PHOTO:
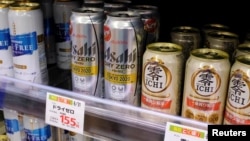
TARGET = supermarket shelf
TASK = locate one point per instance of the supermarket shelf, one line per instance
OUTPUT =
(103, 117)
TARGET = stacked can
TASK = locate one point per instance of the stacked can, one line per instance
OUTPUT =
(151, 20)
(93, 3)
(223, 40)
(211, 28)
(242, 49)
(6, 60)
(112, 7)
(161, 78)
(238, 99)
(87, 50)
(186, 36)
(205, 85)
(28, 47)
(123, 43)
(49, 34)
(62, 12)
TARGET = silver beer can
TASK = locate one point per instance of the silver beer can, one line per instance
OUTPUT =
(223, 40)
(86, 26)
(205, 85)
(113, 7)
(161, 78)
(27, 41)
(61, 13)
(93, 3)
(123, 44)
(151, 20)
(237, 107)
(6, 60)
(188, 37)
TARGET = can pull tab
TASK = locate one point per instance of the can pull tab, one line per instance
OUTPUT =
(211, 54)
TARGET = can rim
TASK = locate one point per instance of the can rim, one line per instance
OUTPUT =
(88, 10)
(24, 6)
(222, 35)
(185, 29)
(209, 53)
(124, 15)
(6, 3)
(215, 25)
(244, 59)
(164, 47)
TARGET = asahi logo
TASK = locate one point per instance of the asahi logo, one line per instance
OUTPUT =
(85, 52)
(156, 76)
(124, 57)
(107, 33)
(206, 81)
(238, 92)
(150, 25)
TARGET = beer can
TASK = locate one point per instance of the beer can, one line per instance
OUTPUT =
(211, 28)
(151, 20)
(14, 125)
(205, 85)
(87, 50)
(223, 40)
(36, 129)
(186, 36)
(126, 2)
(237, 107)
(6, 61)
(27, 41)
(49, 33)
(93, 3)
(123, 44)
(61, 13)
(242, 49)
(112, 7)
(161, 78)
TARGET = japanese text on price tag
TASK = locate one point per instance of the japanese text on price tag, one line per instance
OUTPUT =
(178, 132)
(65, 113)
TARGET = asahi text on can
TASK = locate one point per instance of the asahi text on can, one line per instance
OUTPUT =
(161, 77)
(151, 20)
(237, 109)
(205, 85)
(186, 36)
(123, 42)
(223, 40)
(27, 41)
(6, 61)
(87, 50)
(61, 13)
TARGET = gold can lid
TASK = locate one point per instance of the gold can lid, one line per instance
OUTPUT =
(244, 59)
(244, 47)
(222, 35)
(209, 53)
(26, 6)
(164, 47)
(185, 29)
(6, 3)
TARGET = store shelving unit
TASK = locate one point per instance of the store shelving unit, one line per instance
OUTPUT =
(103, 118)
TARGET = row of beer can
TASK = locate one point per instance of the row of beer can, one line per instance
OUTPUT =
(214, 91)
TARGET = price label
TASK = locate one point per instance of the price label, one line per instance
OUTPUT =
(65, 113)
(178, 132)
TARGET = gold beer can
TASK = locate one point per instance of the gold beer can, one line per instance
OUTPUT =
(237, 109)
(205, 85)
(242, 49)
(161, 77)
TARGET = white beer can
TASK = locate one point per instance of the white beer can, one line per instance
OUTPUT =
(27, 41)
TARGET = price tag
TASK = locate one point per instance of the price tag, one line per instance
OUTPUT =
(178, 132)
(65, 113)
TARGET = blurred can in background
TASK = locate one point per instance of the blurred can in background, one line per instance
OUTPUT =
(242, 49)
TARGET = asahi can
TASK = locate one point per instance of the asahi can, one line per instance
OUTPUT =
(123, 43)
(223, 40)
(242, 49)
(151, 20)
(205, 85)
(49, 32)
(237, 109)
(161, 78)
(87, 50)
(186, 36)
(27, 41)
(6, 61)
(37, 129)
(61, 13)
